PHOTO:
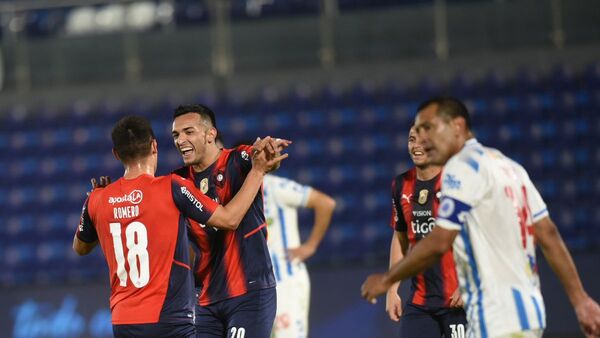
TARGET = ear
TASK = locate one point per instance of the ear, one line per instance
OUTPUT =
(115, 154)
(211, 134)
(154, 147)
(459, 124)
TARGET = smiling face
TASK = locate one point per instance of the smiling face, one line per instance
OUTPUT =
(193, 136)
(415, 149)
(439, 136)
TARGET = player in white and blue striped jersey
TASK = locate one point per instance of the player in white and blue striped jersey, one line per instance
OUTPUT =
(493, 215)
(283, 197)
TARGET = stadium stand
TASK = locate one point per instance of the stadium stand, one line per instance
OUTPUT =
(347, 142)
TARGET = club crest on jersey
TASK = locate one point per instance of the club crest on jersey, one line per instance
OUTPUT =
(204, 185)
(423, 196)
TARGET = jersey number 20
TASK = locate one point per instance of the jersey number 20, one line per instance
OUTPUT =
(136, 252)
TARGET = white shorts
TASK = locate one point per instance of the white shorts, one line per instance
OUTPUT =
(525, 334)
(293, 302)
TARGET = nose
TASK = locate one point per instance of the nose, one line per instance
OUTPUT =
(179, 139)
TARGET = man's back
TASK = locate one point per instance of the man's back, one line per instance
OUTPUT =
(144, 239)
(282, 198)
(495, 253)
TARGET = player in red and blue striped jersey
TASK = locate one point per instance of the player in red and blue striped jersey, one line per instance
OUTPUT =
(140, 221)
(233, 270)
(434, 307)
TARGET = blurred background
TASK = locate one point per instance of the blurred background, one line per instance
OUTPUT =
(342, 78)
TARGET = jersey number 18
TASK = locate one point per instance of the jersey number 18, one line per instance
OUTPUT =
(136, 252)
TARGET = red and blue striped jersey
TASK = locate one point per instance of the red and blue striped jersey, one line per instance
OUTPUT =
(230, 263)
(414, 211)
(141, 226)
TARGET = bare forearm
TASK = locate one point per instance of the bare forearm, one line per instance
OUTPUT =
(235, 210)
(423, 255)
(561, 262)
(323, 213)
(396, 255)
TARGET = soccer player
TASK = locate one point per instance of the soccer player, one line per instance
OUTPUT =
(234, 276)
(493, 215)
(434, 308)
(140, 221)
(283, 197)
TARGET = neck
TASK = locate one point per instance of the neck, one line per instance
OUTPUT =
(462, 141)
(211, 156)
(138, 168)
(425, 173)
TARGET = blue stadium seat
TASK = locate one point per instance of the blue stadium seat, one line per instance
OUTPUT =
(347, 142)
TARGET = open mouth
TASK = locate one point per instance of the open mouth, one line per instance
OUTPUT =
(186, 151)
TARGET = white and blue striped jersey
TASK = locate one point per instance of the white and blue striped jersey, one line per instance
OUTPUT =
(493, 204)
(282, 198)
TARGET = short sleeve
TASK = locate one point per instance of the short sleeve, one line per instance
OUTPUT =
(535, 201)
(397, 221)
(463, 185)
(243, 156)
(190, 201)
(290, 193)
(86, 231)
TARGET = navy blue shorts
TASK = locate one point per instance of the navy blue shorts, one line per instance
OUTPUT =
(246, 316)
(157, 330)
(419, 321)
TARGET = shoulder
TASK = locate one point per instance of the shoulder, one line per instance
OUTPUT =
(243, 151)
(277, 180)
(100, 195)
(174, 178)
(182, 172)
(473, 158)
(283, 184)
(407, 176)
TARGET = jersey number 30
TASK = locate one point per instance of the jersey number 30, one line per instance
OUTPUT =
(136, 252)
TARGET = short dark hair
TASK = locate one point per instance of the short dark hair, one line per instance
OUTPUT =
(449, 108)
(132, 138)
(199, 109)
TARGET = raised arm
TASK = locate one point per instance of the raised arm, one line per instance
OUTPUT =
(422, 256)
(228, 217)
(265, 156)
